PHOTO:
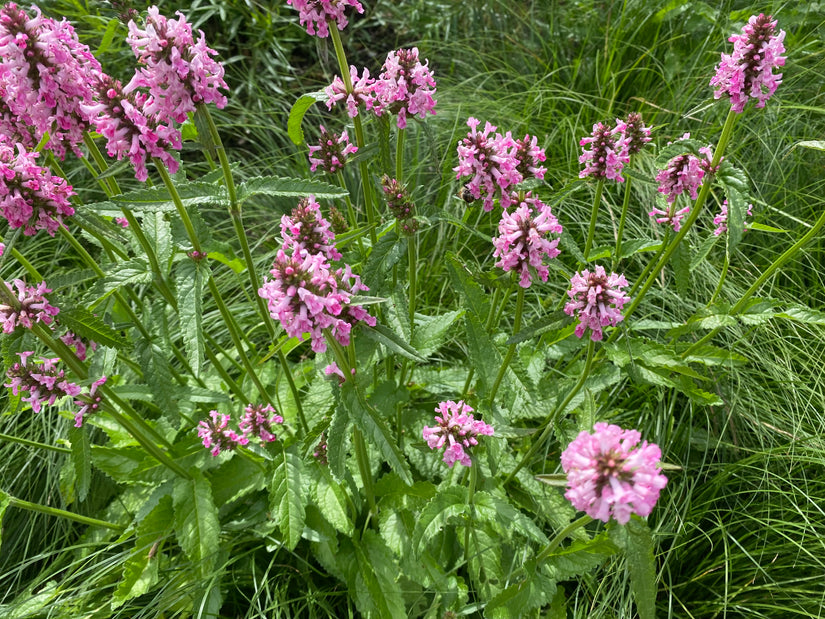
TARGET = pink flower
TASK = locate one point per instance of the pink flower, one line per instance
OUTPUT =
(305, 228)
(597, 300)
(305, 296)
(43, 381)
(31, 307)
(606, 157)
(122, 222)
(633, 134)
(400, 204)
(685, 173)
(178, 72)
(331, 152)
(320, 452)
(609, 476)
(46, 77)
(529, 157)
(130, 131)
(361, 93)
(721, 220)
(491, 162)
(258, 420)
(30, 197)
(670, 216)
(456, 430)
(748, 71)
(89, 402)
(2, 248)
(73, 341)
(404, 87)
(316, 15)
(216, 436)
(524, 239)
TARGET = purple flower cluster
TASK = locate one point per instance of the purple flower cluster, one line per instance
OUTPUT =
(524, 239)
(609, 475)
(404, 87)
(258, 420)
(457, 430)
(607, 154)
(32, 307)
(496, 162)
(721, 220)
(305, 294)
(316, 15)
(748, 71)
(306, 229)
(46, 77)
(129, 131)
(597, 301)
(88, 402)
(330, 154)
(216, 436)
(42, 381)
(400, 204)
(178, 72)
(685, 173)
(30, 197)
(634, 134)
(361, 93)
(81, 348)
(670, 215)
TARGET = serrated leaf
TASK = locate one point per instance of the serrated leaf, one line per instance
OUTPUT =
(196, 521)
(337, 441)
(286, 497)
(638, 177)
(331, 499)
(129, 273)
(445, 506)
(551, 322)
(635, 246)
(509, 519)
(90, 327)
(431, 332)
(800, 313)
(476, 300)
(812, 144)
(296, 114)
(383, 256)
(154, 361)
(735, 184)
(580, 557)
(680, 263)
(276, 186)
(378, 572)
(140, 571)
(189, 288)
(375, 429)
(484, 356)
(679, 147)
(702, 252)
(519, 599)
(382, 335)
(156, 199)
(236, 478)
(81, 460)
(5, 500)
(711, 355)
(158, 231)
(203, 133)
(637, 542)
(117, 462)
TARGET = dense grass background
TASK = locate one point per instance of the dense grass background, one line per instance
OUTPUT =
(740, 529)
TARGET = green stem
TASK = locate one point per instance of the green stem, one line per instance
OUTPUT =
(625, 204)
(727, 131)
(62, 513)
(591, 230)
(650, 265)
(364, 466)
(94, 151)
(22, 441)
(561, 536)
(412, 253)
(399, 156)
(512, 349)
(472, 489)
(548, 423)
(721, 282)
(181, 209)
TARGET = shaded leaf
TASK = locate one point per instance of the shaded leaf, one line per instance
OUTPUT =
(286, 497)
(156, 199)
(431, 332)
(331, 499)
(445, 506)
(196, 521)
(189, 288)
(276, 186)
(90, 327)
(81, 460)
(637, 542)
(383, 335)
(296, 114)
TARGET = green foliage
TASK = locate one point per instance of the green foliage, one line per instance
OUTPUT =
(196, 521)
(286, 496)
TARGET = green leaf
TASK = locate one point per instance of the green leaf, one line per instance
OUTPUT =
(129, 273)
(204, 135)
(636, 246)
(711, 355)
(384, 255)
(337, 441)
(551, 322)
(286, 497)
(189, 285)
(813, 144)
(680, 262)
(154, 199)
(519, 599)
(703, 251)
(276, 186)
(679, 147)
(158, 231)
(330, 498)
(476, 300)
(486, 506)
(376, 579)
(763, 228)
(375, 429)
(432, 332)
(580, 557)
(196, 521)
(637, 542)
(108, 37)
(638, 177)
(118, 462)
(154, 361)
(81, 460)
(140, 571)
(90, 327)
(381, 334)
(800, 313)
(444, 507)
(484, 356)
(236, 478)
(5, 500)
(296, 114)
(735, 184)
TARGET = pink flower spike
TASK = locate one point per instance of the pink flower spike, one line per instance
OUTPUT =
(721, 220)
(258, 420)
(306, 228)
(330, 154)
(524, 239)
(670, 216)
(609, 475)
(748, 71)
(43, 381)
(606, 157)
(216, 436)
(685, 173)
(33, 307)
(89, 403)
(361, 93)
(405, 87)
(455, 430)
(596, 299)
(316, 15)
(633, 135)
